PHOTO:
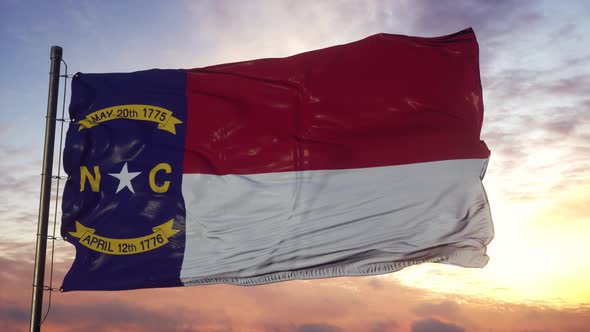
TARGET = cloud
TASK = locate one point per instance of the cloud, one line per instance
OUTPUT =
(341, 304)
(580, 61)
(383, 326)
(434, 15)
(540, 130)
(291, 26)
(445, 309)
(318, 328)
(434, 325)
(295, 27)
(119, 315)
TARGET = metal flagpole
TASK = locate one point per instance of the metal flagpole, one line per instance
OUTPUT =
(43, 221)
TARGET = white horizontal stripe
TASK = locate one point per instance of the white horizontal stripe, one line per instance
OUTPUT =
(250, 229)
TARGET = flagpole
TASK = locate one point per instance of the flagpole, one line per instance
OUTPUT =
(43, 221)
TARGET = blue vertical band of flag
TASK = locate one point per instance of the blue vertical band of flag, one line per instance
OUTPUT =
(108, 146)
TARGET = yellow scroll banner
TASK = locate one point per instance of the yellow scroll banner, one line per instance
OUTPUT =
(137, 245)
(151, 113)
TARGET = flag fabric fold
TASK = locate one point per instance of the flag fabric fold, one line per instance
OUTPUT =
(357, 159)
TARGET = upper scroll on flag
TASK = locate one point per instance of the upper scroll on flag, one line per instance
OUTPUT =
(357, 159)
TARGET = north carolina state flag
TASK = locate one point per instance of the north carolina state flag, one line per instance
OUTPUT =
(357, 159)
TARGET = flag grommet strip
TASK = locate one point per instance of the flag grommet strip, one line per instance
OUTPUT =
(58, 179)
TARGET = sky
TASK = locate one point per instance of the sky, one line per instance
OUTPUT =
(535, 71)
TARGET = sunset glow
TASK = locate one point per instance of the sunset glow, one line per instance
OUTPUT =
(535, 72)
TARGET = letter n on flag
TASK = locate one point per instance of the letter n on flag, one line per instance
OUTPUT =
(352, 160)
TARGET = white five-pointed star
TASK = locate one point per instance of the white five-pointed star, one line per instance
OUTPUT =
(125, 178)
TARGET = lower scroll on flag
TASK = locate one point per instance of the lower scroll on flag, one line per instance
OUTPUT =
(357, 159)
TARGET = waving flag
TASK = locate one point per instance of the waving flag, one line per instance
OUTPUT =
(357, 159)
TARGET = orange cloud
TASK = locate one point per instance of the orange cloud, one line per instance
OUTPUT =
(339, 304)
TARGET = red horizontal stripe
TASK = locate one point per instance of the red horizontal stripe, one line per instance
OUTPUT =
(383, 100)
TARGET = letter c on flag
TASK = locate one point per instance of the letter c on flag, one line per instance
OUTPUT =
(164, 187)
